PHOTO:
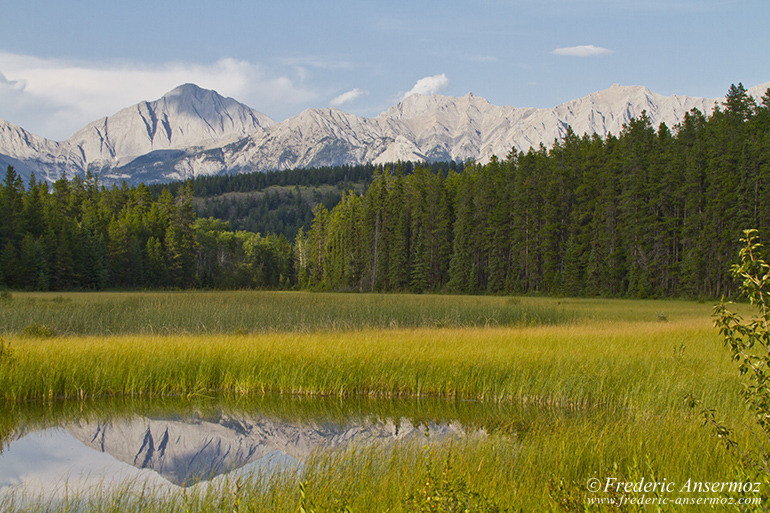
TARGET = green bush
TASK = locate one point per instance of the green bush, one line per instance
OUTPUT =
(445, 491)
(748, 341)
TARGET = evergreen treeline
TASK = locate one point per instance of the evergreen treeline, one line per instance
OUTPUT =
(647, 214)
(206, 186)
(75, 235)
(281, 212)
(282, 202)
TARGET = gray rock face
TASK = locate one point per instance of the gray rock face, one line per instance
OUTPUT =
(188, 118)
(193, 132)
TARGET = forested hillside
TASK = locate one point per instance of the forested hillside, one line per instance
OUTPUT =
(282, 202)
(652, 212)
(649, 213)
(74, 234)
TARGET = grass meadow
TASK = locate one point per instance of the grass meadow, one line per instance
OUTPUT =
(170, 313)
(588, 388)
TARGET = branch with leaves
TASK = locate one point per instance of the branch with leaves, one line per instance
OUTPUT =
(748, 341)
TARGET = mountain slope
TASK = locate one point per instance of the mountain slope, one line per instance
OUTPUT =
(185, 118)
(29, 153)
(428, 128)
(192, 132)
(471, 127)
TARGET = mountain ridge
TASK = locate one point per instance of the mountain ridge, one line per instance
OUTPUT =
(191, 131)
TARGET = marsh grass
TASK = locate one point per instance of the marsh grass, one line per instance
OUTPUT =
(18, 419)
(615, 363)
(494, 473)
(584, 388)
(153, 313)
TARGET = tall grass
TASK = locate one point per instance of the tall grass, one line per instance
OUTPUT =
(19, 419)
(615, 372)
(545, 471)
(649, 365)
(153, 313)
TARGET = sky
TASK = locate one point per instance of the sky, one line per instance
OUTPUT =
(65, 64)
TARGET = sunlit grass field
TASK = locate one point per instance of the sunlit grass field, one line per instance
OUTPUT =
(616, 371)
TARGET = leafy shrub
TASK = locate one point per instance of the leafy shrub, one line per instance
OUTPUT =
(748, 341)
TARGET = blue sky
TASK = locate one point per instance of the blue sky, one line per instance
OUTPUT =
(64, 64)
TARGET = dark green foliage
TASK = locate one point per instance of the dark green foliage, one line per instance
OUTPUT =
(650, 213)
(37, 330)
(209, 186)
(282, 202)
(280, 212)
(748, 341)
(77, 236)
(447, 492)
(396, 236)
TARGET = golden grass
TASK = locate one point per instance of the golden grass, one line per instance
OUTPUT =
(618, 363)
(620, 369)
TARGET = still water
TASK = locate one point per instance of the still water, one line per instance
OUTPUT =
(51, 450)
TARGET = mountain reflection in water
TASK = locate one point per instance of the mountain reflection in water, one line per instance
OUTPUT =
(188, 451)
(180, 443)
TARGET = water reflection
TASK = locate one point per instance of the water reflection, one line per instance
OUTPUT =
(182, 442)
(187, 450)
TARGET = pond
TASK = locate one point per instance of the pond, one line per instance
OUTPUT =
(48, 451)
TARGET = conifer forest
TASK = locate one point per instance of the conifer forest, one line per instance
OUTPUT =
(654, 211)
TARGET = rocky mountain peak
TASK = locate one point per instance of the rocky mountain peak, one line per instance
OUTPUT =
(188, 89)
(211, 134)
(185, 117)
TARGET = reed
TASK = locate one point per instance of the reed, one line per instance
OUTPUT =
(153, 313)
(622, 364)
(617, 373)
(545, 471)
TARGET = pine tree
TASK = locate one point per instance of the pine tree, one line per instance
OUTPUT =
(11, 216)
(180, 242)
(462, 265)
(398, 250)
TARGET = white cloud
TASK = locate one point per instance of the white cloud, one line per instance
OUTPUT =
(428, 85)
(54, 98)
(348, 97)
(581, 51)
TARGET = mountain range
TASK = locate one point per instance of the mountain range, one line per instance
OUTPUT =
(192, 132)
